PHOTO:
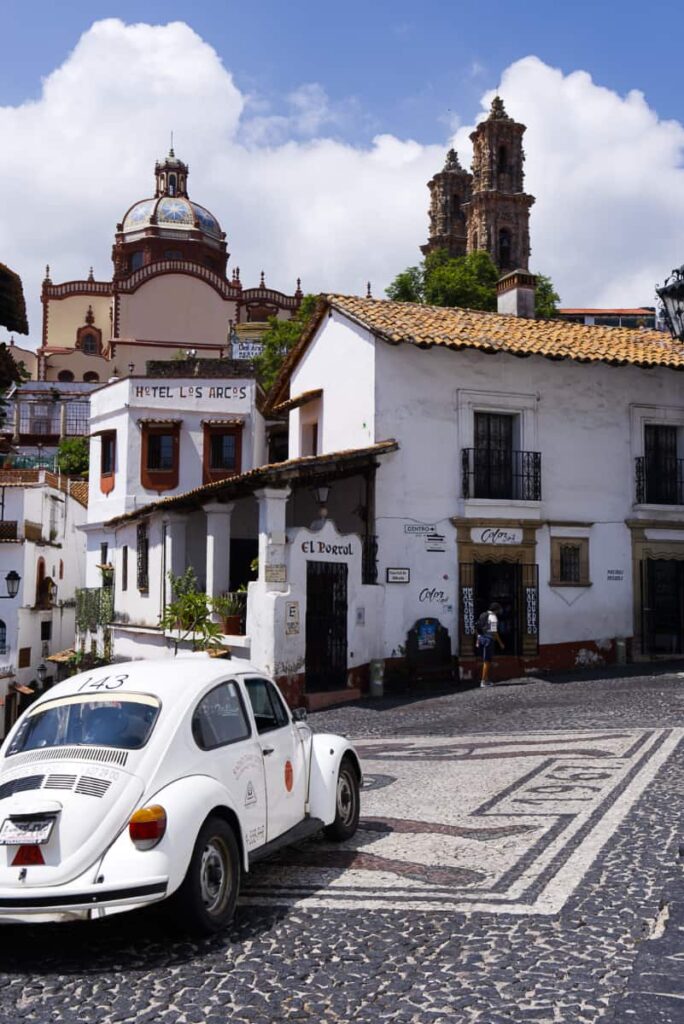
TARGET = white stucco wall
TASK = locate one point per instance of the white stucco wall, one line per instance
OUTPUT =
(341, 361)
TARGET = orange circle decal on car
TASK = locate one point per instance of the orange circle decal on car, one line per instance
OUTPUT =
(289, 776)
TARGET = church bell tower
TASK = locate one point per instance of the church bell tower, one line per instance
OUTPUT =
(449, 194)
(498, 214)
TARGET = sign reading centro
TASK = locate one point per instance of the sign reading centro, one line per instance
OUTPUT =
(496, 535)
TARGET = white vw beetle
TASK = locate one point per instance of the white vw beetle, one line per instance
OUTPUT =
(154, 779)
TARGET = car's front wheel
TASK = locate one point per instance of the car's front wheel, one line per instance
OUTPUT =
(347, 803)
(206, 900)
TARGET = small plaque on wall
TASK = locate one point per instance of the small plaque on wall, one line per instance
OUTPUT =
(398, 575)
(276, 573)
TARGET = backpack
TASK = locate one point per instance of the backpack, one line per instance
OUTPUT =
(482, 624)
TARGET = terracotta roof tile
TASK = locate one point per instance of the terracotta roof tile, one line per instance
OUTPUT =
(398, 322)
(425, 326)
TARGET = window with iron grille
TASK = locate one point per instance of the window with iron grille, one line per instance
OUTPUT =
(222, 455)
(124, 567)
(570, 561)
(143, 557)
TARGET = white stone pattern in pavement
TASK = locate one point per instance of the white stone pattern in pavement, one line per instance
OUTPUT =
(479, 823)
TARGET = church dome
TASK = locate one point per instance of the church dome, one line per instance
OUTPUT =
(169, 226)
(171, 212)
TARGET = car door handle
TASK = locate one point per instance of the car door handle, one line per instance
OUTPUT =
(267, 750)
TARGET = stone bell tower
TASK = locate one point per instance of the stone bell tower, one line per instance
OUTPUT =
(449, 194)
(498, 214)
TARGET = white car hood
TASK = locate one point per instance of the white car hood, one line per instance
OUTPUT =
(92, 794)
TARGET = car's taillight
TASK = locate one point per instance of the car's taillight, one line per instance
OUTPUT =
(147, 826)
(28, 855)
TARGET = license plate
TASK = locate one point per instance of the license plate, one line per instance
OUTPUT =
(33, 831)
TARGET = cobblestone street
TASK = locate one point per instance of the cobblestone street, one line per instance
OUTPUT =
(519, 859)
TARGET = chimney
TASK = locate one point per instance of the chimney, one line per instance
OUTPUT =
(515, 294)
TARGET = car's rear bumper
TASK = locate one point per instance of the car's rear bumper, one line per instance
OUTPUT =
(65, 902)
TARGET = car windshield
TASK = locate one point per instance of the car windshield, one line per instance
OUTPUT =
(124, 722)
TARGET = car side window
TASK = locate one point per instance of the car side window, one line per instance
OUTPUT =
(220, 718)
(269, 712)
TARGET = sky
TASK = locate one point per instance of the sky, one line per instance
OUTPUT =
(311, 130)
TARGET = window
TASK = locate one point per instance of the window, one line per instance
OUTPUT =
(46, 630)
(143, 557)
(160, 455)
(104, 551)
(136, 260)
(124, 567)
(89, 345)
(570, 561)
(222, 451)
(160, 451)
(61, 569)
(3, 637)
(107, 452)
(310, 438)
(269, 712)
(173, 254)
(502, 161)
(172, 184)
(24, 659)
(220, 718)
(94, 721)
(65, 376)
(91, 377)
(505, 259)
(663, 470)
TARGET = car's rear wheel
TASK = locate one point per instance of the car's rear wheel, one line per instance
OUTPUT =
(206, 900)
(347, 803)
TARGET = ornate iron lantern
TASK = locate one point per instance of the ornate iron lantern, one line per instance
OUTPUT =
(672, 295)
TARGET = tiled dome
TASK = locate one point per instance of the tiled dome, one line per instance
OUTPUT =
(171, 212)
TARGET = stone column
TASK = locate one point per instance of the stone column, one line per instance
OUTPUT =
(218, 547)
(174, 555)
(272, 536)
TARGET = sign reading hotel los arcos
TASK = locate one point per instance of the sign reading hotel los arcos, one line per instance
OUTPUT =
(496, 535)
(233, 396)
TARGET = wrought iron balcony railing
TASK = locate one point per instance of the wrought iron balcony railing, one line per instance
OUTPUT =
(660, 481)
(501, 473)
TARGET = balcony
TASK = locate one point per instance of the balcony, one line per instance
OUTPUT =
(659, 481)
(8, 529)
(501, 474)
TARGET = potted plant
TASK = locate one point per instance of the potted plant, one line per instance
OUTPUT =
(230, 607)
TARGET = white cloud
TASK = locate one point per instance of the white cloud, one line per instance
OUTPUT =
(605, 170)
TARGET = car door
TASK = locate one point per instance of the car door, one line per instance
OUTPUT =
(283, 755)
(222, 728)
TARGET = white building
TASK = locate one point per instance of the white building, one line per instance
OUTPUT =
(41, 543)
(469, 457)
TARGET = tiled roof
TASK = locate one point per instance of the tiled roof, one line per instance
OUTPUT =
(426, 326)
(306, 470)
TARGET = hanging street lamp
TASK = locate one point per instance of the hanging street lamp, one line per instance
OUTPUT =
(672, 295)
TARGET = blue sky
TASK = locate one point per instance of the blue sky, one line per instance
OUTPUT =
(407, 65)
(311, 130)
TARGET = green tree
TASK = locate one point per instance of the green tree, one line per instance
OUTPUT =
(11, 373)
(280, 339)
(466, 282)
(407, 286)
(546, 298)
(72, 456)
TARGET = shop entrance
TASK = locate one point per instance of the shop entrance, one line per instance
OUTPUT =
(501, 582)
(326, 626)
(662, 606)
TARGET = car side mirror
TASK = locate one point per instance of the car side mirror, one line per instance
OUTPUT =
(299, 715)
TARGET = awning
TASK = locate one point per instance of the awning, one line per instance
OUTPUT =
(61, 656)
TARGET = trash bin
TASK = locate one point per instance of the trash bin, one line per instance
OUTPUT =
(377, 677)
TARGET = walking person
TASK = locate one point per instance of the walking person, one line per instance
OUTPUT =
(487, 627)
